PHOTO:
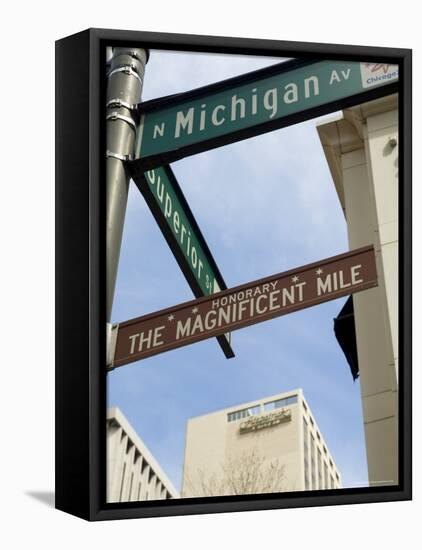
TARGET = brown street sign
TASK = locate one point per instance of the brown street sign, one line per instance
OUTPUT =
(245, 305)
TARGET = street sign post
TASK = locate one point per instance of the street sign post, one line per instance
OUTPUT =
(245, 305)
(286, 93)
(173, 215)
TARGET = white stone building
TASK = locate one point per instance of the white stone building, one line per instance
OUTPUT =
(133, 474)
(278, 429)
(362, 153)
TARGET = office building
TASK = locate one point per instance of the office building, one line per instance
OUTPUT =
(362, 151)
(133, 474)
(268, 445)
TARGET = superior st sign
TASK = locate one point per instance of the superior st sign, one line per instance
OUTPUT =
(174, 217)
(184, 124)
(245, 305)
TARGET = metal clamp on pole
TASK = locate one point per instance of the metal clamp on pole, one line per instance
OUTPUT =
(127, 69)
(112, 331)
(117, 102)
(117, 116)
(124, 158)
(135, 54)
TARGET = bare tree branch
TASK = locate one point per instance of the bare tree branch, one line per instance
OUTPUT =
(247, 473)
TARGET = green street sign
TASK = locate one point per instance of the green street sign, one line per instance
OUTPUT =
(184, 124)
(178, 225)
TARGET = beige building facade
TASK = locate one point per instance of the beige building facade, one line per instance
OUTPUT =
(362, 153)
(260, 439)
(133, 474)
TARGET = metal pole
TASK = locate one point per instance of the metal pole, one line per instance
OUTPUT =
(124, 90)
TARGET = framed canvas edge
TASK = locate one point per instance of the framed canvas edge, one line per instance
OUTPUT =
(72, 297)
(92, 397)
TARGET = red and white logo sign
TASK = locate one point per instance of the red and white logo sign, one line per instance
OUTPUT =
(374, 74)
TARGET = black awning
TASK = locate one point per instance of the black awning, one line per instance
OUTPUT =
(344, 329)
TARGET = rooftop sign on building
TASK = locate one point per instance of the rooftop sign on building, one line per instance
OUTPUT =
(265, 421)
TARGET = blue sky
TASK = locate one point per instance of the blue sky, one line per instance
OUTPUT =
(264, 205)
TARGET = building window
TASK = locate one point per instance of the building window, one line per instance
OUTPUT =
(304, 405)
(279, 403)
(129, 446)
(320, 472)
(326, 486)
(122, 482)
(313, 462)
(158, 488)
(130, 487)
(137, 456)
(305, 454)
(243, 413)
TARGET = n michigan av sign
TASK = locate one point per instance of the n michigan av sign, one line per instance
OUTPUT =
(245, 305)
(251, 104)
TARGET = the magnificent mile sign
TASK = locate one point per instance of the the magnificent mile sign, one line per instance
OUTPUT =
(286, 93)
(245, 305)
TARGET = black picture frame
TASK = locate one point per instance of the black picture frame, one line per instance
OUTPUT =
(80, 280)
